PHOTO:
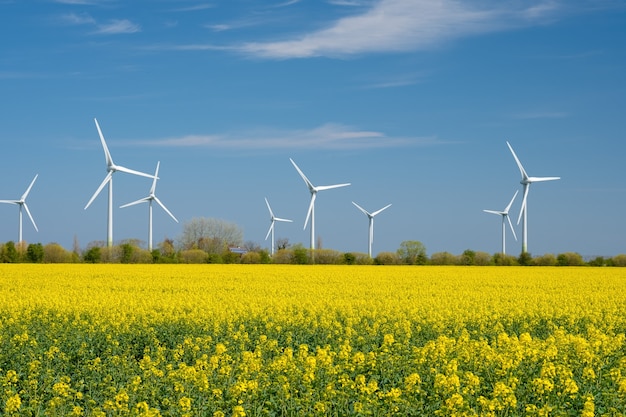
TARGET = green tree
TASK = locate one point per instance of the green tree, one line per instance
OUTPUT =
(34, 252)
(55, 253)
(525, 259)
(444, 258)
(547, 259)
(468, 257)
(387, 258)
(501, 259)
(569, 259)
(619, 260)
(412, 252)
(127, 253)
(300, 254)
(93, 255)
(9, 254)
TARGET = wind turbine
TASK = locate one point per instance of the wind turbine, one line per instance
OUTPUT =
(313, 190)
(22, 203)
(371, 222)
(505, 215)
(111, 169)
(274, 219)
(526, 181)
(149, 199)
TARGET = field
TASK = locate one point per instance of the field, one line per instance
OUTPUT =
(283, 340)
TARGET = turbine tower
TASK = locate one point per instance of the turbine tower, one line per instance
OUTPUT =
(111, 169)
(274, 219)
(149, 199)
(526, 182)
(313, 190)
(505, 215)
(22, 204)
(371, 224)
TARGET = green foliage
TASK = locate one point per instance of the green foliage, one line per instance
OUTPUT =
(412, 252)
(127, 253)
(525, 259)
(500, 259)
(9, 252)
(34, 252)
(349, 258)
(569, 259)
(387, 258)
(300, 255)
(443, 258)
(93, 255)
(193, 256)
(468, 257)
(547, 259)
(619, 260)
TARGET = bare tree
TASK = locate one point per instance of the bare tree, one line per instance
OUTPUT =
(210, 235)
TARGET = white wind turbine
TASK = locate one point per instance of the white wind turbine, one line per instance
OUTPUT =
(371, 224)
(526, 181)
(111, 169)
(313, 190)
(22, 204)
(149, 199)
(274, 219)
(505, 215)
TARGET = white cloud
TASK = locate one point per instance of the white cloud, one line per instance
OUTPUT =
(194, 8)
(327, 136)
(78, 19)
(403, 25)
(118, 26)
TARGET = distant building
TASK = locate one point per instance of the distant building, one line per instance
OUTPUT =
(237, 249)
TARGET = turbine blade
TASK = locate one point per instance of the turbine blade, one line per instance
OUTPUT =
(270, 230)
(143, 200)
(106, 180)
(107, 154)
(278, 219)
(165, 208)
(499, 213)
(132, 171)
(519, 164)
(506, 210)
(30, 216)
(29, 187)
(328, 187)
(362, 209)
(10, 201)
(306, 180)
(539, 179)
(511, 224)
(378, 211)
(156, 177)
(311, 205)
(523, 209)
(269, 208)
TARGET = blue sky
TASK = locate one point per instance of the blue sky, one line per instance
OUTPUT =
(410, 101)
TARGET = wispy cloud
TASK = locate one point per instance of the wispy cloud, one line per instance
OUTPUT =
(194, 8)
(78, 19)
(79, 2)
(397, 81)
(404, 25)
(118, 26)
(327, 136)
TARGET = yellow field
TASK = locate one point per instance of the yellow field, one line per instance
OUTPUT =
(274, 340)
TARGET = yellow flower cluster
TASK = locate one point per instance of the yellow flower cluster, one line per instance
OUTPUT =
(256, 340)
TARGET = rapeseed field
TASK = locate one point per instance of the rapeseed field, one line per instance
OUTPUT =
(286, 340)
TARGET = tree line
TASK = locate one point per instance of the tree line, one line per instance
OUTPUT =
(208, 240)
